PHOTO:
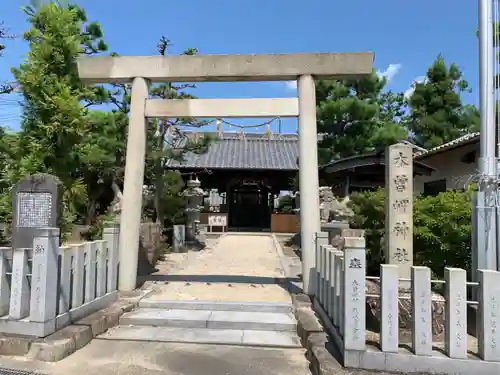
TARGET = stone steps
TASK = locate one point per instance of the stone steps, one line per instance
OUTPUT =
(236, 337)
(206, 322)
(239, 320)
(264, 307)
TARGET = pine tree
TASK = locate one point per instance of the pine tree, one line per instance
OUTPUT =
(357, 117)
(437, 114)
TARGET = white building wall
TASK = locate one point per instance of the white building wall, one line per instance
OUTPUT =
(449, 166)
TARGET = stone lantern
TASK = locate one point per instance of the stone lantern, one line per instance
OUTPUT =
(194, 196)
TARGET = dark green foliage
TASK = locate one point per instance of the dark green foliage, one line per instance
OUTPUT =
(437, 114)
(61, 134)
(357, 117)
(442, 229)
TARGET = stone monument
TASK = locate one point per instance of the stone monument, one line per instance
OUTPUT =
(399, 208)
(194, 197)
(35, 205)
(398, 244)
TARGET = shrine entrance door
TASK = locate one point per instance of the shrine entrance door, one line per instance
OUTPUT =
(249, 207)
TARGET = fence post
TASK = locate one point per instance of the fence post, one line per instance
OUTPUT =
(101, 268)
(456, 312)
(111, 234)
(321, 239)
(20, 290)
(489, 315)
(330, 282)
(66, 255)
(389, 311)
(43, 302)
(322, 273)
(354, 309)
(338, 264)
(4, 282)
(90, 270)
(78, 273)
(421, 310)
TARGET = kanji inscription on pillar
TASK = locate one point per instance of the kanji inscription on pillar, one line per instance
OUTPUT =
(399, 207)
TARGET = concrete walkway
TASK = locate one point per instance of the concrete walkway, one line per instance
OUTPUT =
(101, 357)
(240, 267)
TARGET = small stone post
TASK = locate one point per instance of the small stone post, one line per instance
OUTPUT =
(179, 237)
(4, 281)
(354, 293)
(489, 315)
(111, 234)
(43, 302)
(399, 208)
(20, 288)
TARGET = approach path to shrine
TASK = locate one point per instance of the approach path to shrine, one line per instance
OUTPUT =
(236, 267)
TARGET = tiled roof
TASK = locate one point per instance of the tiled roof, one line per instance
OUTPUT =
(254, 151)
(469, 137)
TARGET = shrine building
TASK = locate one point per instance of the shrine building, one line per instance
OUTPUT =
(248, 171)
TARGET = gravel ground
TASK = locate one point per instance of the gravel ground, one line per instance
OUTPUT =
(236, 268)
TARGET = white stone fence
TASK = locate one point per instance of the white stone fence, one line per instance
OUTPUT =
(340, 300)
(47, 287)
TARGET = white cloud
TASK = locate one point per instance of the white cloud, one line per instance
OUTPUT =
(390, 72)
(292, 85)
(411, 89)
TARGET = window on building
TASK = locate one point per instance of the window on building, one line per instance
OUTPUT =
(434, 187)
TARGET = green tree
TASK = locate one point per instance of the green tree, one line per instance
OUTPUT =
(436, 112)
(54, 118)
(357, 116)
(4, 35)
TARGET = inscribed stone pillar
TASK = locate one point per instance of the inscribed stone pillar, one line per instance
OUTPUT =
(399, 207)
(43, 302)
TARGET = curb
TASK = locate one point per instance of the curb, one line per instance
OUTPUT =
(321, 351)
(281, 255)
(314, 339)
(69, 339)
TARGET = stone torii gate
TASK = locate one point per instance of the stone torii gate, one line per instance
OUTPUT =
(143, 70)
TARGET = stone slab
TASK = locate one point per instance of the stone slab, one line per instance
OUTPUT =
(202, 336)
(251, 321)
(210, 319)
(234, 108)
(172, 318)
(60, 344)
(271, 339)
(261, 67)
(269, 307)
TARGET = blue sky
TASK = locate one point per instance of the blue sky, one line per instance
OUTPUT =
(405, 36)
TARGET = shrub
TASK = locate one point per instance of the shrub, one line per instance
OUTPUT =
(442, 229)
